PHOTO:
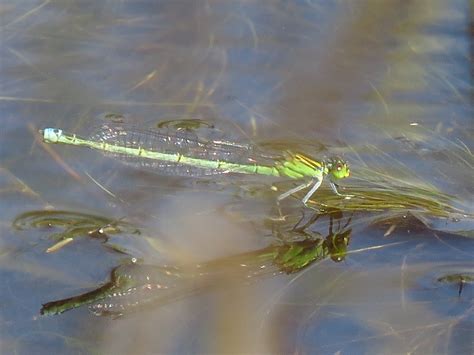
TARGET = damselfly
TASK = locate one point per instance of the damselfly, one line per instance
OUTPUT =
(184, 153)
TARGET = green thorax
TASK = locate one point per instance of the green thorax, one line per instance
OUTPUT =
(299, 166)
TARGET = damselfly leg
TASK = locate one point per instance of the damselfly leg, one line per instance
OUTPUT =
(334, 187)
(295, 190)
(310, 193)
(316, 184)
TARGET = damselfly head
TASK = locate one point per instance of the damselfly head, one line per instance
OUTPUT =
(338, 168)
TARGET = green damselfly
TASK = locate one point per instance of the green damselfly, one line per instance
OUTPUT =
(184, 153)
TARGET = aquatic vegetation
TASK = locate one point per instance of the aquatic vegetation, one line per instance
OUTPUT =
(393, 198)
(73, 225)
(191, 124)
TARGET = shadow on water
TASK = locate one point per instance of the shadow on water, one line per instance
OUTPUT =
(213, 265)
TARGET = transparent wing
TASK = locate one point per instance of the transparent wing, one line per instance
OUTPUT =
(170, 141)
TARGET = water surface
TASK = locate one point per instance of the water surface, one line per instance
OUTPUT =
(387, 84)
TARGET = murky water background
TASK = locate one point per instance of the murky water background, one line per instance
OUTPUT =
(388, 83)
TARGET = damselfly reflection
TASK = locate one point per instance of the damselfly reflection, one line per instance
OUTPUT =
(135, 286)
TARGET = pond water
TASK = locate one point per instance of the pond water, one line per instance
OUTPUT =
(388, 85)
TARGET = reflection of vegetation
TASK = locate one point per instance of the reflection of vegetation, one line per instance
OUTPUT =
(134, 286)
(73, 225)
